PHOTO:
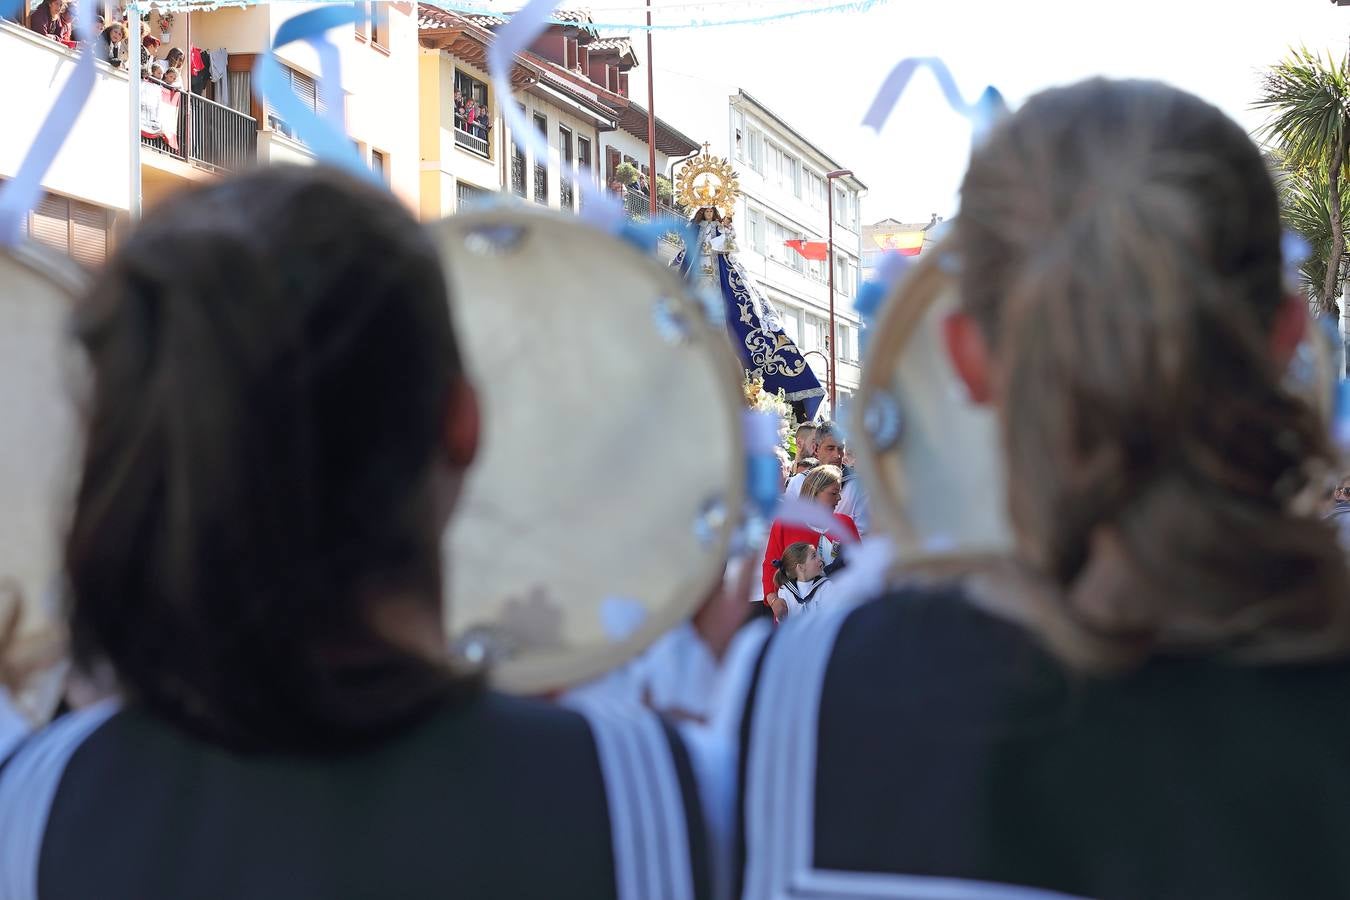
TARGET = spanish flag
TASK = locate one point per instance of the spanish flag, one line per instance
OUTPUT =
(810, 249)
(906, 243)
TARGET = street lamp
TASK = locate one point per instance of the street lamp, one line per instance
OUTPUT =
(829, 190)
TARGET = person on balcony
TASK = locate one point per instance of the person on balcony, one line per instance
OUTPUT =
(46, 19)
(112, 46)
(172, 79)
(149, 47)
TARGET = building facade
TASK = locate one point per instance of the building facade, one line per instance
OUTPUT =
(787, 197)
(571, 86)
(212, 128)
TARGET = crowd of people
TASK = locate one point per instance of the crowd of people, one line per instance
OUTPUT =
(1143, 699)
(56, 19)
(472, 116)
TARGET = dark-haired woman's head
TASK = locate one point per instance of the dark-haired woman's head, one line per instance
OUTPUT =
(279, 424)
(1120, 270)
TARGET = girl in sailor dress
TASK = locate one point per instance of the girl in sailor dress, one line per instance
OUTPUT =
(801, 581)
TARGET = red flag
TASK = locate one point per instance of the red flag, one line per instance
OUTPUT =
(810, 249)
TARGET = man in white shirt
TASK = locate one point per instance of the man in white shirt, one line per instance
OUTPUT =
(829, 450)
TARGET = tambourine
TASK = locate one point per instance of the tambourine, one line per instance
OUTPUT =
(611, 469)
(933, 458)
(42, 374)
(930, 456)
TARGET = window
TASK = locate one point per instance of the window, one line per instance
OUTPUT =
(816, 330)
(73, 227)
(584, 156)
(473, 117)
(843, 342)
(565, 182)
(372, 16)
(813, 188)
(379, 164)
(792, 322)
(541, 165)
(757, 151)
(469, 195)
(517, 168)
(738, 132)
(756, 221)
(306, 90)
(778, 238)
(379, 24)
(843, 275)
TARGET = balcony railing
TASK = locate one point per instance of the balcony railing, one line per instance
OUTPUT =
(541, 184)
(639, 207)
(518, 175)
(221, 138)
(471, 142)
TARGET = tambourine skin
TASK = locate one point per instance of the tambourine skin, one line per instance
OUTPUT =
(931, 457)
(601, 506)
(42, 373)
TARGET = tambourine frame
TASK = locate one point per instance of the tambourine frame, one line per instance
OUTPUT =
(40, 700)
(526, 676)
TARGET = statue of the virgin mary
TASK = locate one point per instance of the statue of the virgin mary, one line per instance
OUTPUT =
(708, 185)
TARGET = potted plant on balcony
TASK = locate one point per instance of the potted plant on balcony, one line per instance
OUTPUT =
(165, 26)
(665, 191)
(625, 173)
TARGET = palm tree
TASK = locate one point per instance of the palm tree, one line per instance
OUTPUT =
(1309, 97)
(1303, 197)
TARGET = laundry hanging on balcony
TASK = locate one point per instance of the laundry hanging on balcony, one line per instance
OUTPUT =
(159, 112)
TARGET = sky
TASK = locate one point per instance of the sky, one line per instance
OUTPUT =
(820, 72)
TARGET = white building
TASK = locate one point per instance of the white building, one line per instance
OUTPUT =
(89, 192)
(783, 184)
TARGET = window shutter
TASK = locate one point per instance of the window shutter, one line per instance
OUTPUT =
(50, 222)
(88, 233)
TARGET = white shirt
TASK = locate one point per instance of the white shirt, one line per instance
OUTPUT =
(823, 598)
(794, 485)
(853, 503)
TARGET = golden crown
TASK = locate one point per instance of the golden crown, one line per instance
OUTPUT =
(707, 180)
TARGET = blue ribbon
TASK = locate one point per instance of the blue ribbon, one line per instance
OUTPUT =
(21, 193)
(986, 109)
(326, 136)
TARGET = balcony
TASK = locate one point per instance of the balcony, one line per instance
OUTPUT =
(541, 184)
(471, 142)
(221, 139)
(518, 175)
(639, 207)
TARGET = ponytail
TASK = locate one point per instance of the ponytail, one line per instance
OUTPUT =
(786, 568)
(1120, 250)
